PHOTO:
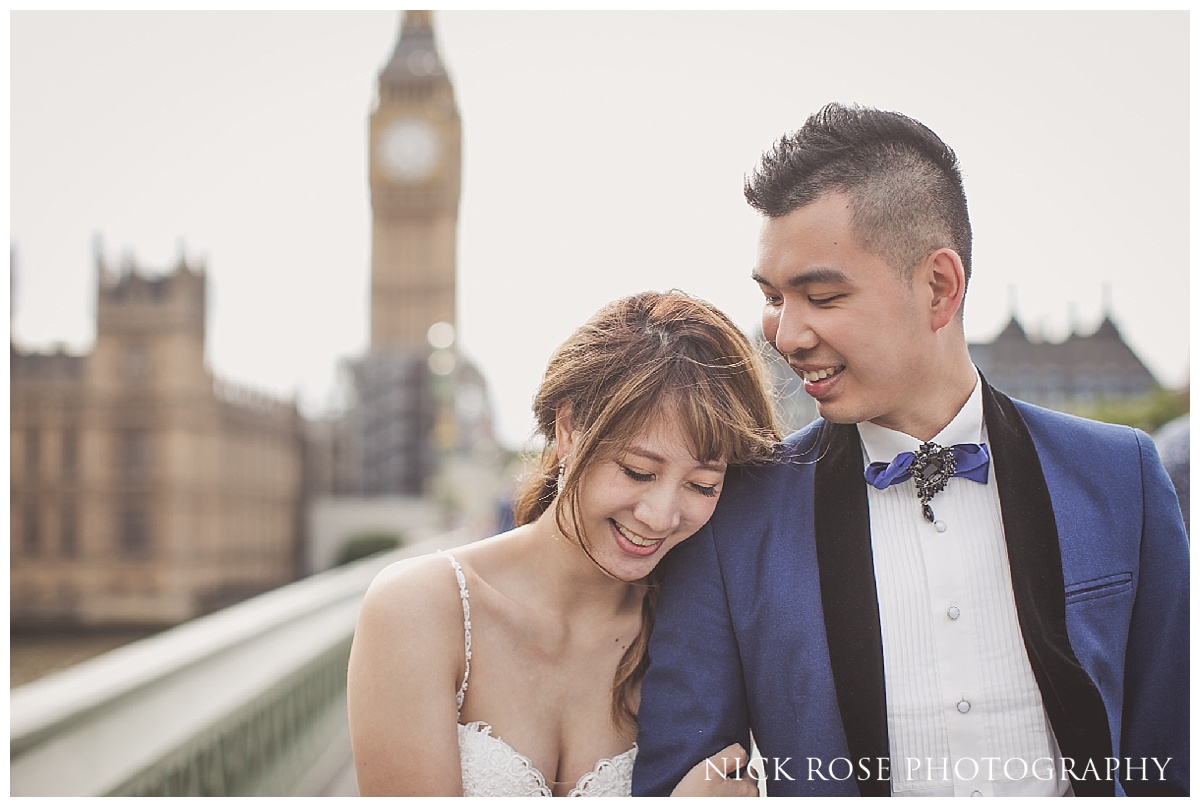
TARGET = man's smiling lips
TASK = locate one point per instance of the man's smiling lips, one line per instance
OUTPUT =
(823, 372)
(813, 373)
(819, 380)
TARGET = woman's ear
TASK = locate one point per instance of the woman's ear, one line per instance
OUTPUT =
(564, 436)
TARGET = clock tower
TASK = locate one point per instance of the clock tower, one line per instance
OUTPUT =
(418, 425)
(415, 177)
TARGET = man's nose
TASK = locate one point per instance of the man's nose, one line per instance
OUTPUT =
(793, 332)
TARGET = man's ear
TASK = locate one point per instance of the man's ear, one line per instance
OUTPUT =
(943, 271)
(564, 436)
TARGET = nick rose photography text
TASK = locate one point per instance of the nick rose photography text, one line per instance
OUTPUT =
(995, 769)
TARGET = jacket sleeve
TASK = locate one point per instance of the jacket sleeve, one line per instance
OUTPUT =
(1156, 702)
(693, 696)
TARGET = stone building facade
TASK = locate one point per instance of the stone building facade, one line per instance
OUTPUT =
(143, 489)
(1073, 375)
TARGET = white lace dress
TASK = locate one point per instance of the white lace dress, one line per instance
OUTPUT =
(491, 767)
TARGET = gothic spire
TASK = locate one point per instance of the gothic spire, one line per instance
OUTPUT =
(416, 52)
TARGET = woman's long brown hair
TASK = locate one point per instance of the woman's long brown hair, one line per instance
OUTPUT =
(643, 357)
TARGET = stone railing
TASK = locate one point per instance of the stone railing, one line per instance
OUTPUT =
(247, 701)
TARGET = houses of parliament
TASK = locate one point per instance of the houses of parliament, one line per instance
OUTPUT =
(145, 490)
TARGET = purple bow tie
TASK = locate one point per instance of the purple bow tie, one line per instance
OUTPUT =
(931, 467)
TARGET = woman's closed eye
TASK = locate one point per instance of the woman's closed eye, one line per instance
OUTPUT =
(637, 476)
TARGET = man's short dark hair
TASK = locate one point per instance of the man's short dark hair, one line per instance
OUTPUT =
(903, 182)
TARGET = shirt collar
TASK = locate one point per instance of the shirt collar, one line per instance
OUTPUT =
(882, 444)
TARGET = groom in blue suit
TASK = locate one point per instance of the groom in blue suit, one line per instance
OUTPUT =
(937, 590)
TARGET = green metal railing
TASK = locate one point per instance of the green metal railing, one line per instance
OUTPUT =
(248, 701)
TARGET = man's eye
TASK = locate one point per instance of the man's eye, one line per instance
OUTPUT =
(824, 300)
(637, 477)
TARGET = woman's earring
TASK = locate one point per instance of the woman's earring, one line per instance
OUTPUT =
(562, 467)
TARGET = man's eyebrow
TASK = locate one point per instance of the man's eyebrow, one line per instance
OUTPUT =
(818, 274)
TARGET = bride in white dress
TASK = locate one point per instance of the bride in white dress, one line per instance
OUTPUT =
(512, 666)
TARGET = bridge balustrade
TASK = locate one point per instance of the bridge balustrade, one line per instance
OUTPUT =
(246, 701)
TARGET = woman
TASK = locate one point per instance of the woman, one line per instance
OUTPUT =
(512, 666)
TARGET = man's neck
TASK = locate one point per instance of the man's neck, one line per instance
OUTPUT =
(945, 401)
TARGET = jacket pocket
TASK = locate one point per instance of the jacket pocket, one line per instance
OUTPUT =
(1099, 587)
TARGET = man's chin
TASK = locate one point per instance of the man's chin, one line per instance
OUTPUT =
(835, 414)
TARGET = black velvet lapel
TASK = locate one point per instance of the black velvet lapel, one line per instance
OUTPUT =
(1071, 699)
(847, 572)
(843, 541)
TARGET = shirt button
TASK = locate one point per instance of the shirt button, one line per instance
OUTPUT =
(976, 793)
(964, 707)
(939, 525)
(953, 612)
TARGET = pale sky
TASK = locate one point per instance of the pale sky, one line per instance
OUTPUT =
(604, 154)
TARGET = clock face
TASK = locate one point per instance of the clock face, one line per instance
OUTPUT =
(409, 149)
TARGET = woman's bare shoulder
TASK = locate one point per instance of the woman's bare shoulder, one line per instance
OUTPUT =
(425, 590)
(421, 590)
(406, 661)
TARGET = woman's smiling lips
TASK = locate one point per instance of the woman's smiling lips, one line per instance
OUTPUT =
(633, 543)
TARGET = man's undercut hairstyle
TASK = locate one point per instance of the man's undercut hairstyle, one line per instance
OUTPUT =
(904, 183)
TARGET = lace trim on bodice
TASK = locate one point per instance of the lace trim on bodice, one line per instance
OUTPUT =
(492, 767)
(465, 596)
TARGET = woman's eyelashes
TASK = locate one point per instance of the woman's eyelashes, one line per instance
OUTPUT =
(638, 476)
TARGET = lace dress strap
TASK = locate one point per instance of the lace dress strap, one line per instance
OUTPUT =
(466, 606)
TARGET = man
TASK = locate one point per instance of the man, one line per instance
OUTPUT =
(1173, 442)
(937, 590)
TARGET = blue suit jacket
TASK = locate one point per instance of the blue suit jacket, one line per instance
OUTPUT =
(768, 620)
